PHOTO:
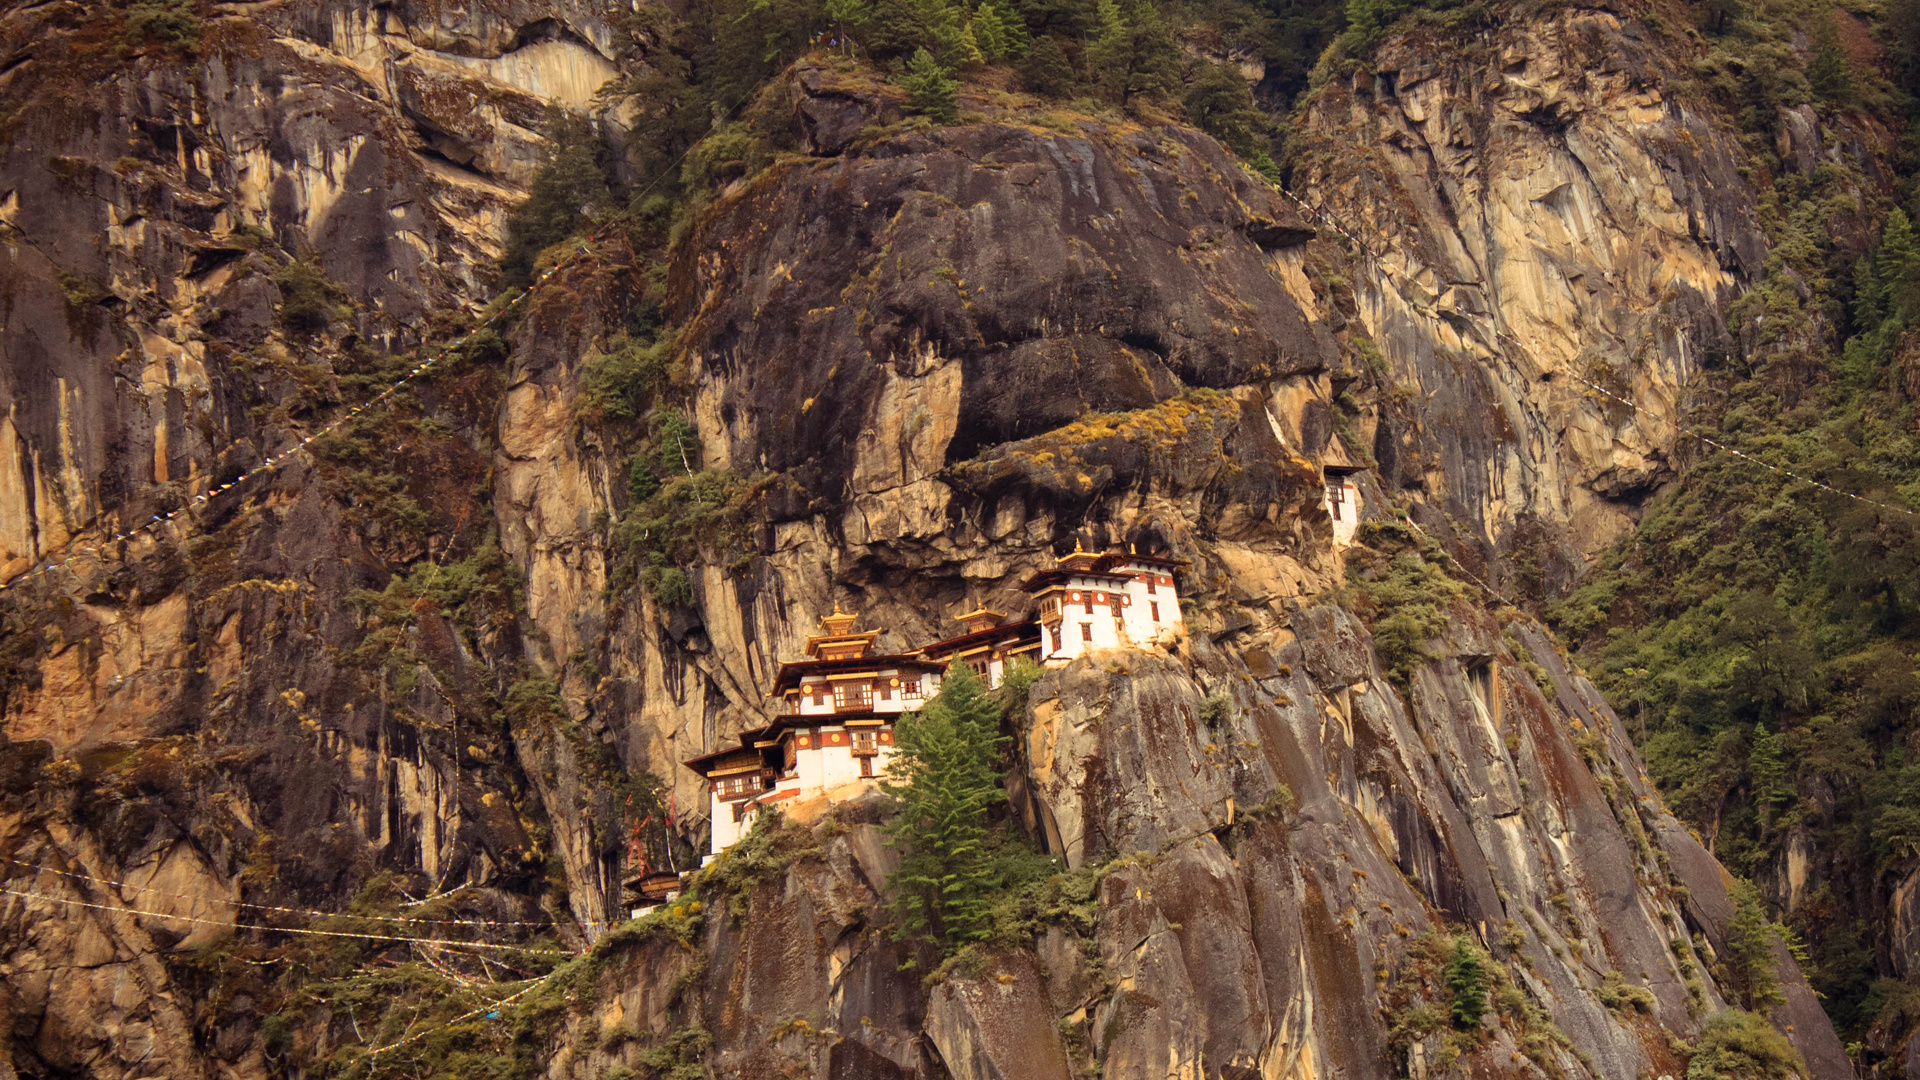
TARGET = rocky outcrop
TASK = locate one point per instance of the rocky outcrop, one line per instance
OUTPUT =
(1243, 931)
(193, 711)
(924, 360)
(1548, 215)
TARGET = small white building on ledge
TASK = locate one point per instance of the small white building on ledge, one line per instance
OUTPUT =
(1342, 501)
(833, 733)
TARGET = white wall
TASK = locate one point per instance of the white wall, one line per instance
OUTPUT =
(1345, 515)
(1141, 625)
(1073, 641)
(725, 832)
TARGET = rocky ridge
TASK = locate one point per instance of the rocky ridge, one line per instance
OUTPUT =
(938, 354)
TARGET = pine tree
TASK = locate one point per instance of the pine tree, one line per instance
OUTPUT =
(944, 777)
(930, 88)
(1829, 71)
(967, 53)
(1749, 953)
(1896, 263)
(898, 27)
(569, 186)
(849, 14)
(999, 31)
(1367, 23)
(1220, 103)
(1132, 54)
(1867, 311)
(1466, 977)
(679, 445)
(1048, 70)
(1767, 771)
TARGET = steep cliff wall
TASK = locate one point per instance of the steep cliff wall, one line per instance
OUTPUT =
(1294, 940)
(919, 361)
(1549, 203)
(200, 711)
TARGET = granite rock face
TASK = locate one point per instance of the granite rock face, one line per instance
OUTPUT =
(1506, 191)
(1240, 933)
(935, 356)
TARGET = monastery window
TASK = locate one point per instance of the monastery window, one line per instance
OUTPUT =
(733, 786)
(866, 742)
(1055, 631)
(1086, 629)
(1089, 603)
(789, 754)
(979, 667)
(886, 693)
(1336, 494)
(1153, 608)
(1149, 584)
(910, 690)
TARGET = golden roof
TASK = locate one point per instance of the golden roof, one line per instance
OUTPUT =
(838, 624)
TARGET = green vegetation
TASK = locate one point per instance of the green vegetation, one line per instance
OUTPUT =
(1445, 987)
(699, 88)
(1739, 1045)
(1132, 54)
(1466, 978)
(309, 302)
(1399, 588)
(568, 189)
(769, 848)
(1748, 960)
(621, 383)
(931, 88)
(1760, 633)
(945, 776)
(173, 25)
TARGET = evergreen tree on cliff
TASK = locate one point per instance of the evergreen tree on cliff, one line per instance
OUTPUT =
(944, 776)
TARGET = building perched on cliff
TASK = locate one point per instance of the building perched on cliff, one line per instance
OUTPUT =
(1342, 501)
(835, 708)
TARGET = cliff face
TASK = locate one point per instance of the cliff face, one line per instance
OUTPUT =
(925, 359)
(210, 730)
(1289, 941)
(1556, 211)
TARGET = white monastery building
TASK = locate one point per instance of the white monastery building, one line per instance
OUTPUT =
(835, 708)
(1342, 502)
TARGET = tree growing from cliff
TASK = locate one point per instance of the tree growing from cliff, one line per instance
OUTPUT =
(1132, 54)
(570, 185)
(931, 88)
(944, 777)
(1742, 1046)
(1466, 976)
(1829, 70)
(1749, 954)
(1219, 102)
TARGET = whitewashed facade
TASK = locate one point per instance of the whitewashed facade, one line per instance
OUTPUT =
(832, 736)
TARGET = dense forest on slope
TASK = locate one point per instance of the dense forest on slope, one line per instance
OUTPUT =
(1759, 631)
